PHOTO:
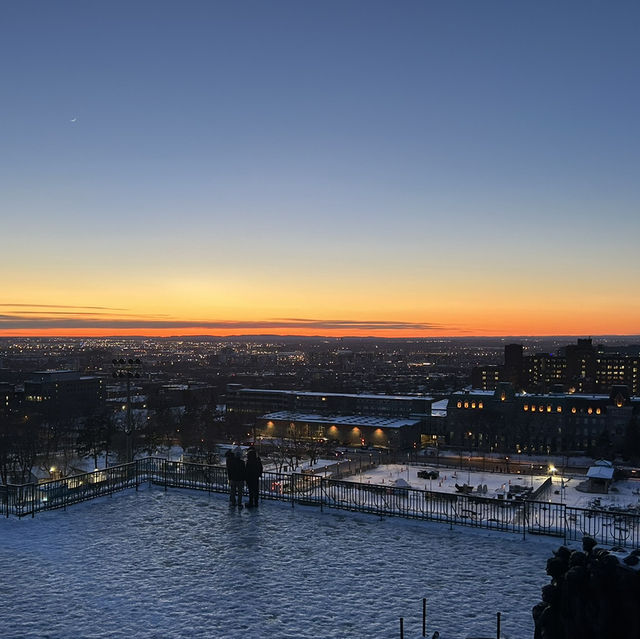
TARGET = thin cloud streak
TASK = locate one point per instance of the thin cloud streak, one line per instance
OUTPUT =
(17, 322)
(96, 308)
(87, 314)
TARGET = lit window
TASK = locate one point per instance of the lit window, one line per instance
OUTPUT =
(573, 410)
(480, 405)
(559, 409)
(526, 406)
(473, 404)
(598, 411)
(459, 404)
(589, 410)
(466, 404)
(548, 408)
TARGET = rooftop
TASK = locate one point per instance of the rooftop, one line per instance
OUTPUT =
(341, 420)
(353, 395)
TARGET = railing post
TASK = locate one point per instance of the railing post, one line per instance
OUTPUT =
(424, 617)
(498, 625)
(401, 628)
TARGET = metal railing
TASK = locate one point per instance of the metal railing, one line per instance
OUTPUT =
(515, 516)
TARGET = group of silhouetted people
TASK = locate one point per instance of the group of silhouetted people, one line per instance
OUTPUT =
(241, 472)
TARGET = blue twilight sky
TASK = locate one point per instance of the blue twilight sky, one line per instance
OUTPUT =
(388, 152)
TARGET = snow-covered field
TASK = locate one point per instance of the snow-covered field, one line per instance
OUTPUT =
(626, 492)
(448, 478)
(182, 564)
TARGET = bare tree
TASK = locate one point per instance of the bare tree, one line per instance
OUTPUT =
(95, 436)
(6, 448)
(295, 444)
(200, 432)
(27, 431)
(56, 446)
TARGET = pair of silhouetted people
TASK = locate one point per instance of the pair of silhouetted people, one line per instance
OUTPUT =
(240, 472)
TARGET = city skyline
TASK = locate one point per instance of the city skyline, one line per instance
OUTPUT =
(425, 169)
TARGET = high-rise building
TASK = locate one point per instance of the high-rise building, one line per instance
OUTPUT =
(577, 368)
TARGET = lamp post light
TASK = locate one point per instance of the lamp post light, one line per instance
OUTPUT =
(128, 369)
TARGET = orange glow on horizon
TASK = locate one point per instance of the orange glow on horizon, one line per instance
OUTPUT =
(187, 332)
(440, 317)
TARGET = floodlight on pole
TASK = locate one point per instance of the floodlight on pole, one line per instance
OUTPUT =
(128, 369)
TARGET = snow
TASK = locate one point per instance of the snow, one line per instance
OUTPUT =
(405, 398)
(600, 472)
(182, 564)
(370, 421)
(449, 477)
(625, 494)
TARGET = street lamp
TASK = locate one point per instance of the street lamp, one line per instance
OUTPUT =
(128, 369)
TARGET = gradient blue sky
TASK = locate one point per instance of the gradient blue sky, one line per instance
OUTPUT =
(470, 166)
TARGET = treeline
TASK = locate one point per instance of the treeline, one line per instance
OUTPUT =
(55, 444)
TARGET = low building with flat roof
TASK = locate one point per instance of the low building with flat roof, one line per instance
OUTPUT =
(348, 430)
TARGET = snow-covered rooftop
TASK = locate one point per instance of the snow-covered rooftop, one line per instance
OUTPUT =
(439, 408)
(355, 395)
(475, 391)
(295, 573)
(600, 471)
(342, 420)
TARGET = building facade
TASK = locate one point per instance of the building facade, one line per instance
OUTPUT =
(385, 421)
(577, 368)
(539, 423)
(67, 393)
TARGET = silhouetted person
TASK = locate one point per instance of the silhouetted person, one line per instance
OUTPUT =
(252, 475)
(235, 473)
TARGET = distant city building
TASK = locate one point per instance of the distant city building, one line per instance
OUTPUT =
(193, 393)
(577, 368)
(7, 395)
(349, 418)
(62, 393)
(348, 430)
(253, 401)
(538, 423)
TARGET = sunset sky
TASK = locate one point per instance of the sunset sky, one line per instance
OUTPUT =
(354, 167)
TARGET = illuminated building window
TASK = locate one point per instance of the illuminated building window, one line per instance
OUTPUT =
(466, 404)
(473, 404)
(559, 409)
(549, 408)
(541, 409)
(533, 408)
(459, 404)
(573, 410)
(526, 406)
(598, 411)
(589, 410)
(480, 405)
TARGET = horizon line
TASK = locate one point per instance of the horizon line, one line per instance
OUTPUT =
(303, 336)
